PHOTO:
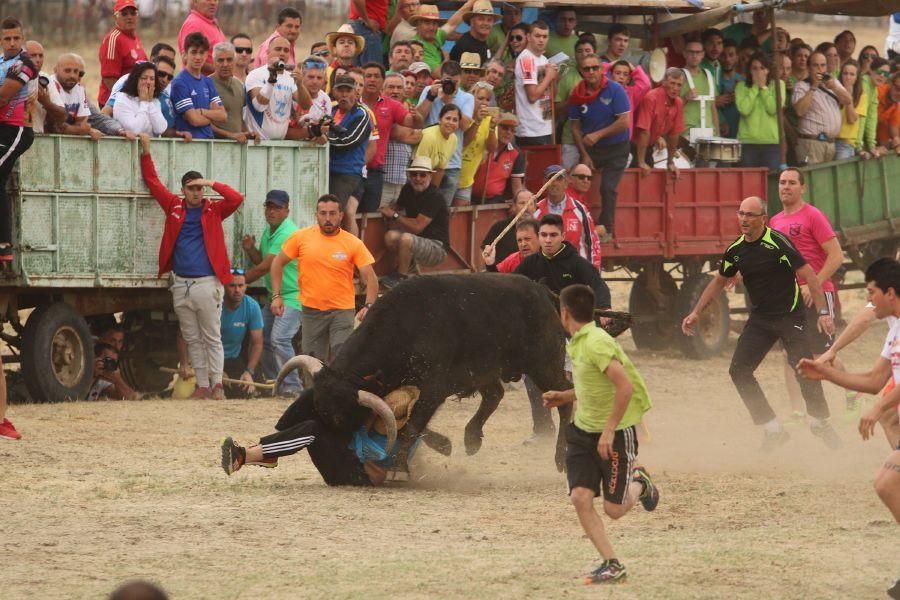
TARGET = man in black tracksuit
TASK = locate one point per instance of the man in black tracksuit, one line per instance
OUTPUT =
(558, 264)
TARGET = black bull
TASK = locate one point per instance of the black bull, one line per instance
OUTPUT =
(446, 335)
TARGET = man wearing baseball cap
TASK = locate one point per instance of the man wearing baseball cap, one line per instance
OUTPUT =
(348, 141)
(278, 332)
(121, 49)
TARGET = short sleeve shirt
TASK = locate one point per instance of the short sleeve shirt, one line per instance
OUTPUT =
(436, 147)
(807, 229)
(74, 100)
(325, 265)
(431, 204)
(659, 115)
(473, 154)
(387, 111)
(119, 52)
(534, 117)
(271, 243)
(189, 92)
(611, 102)
(272, 122)
(466, 103)
(197, 22)
(767, 266)
(888, 113)
(433, 55)
(236, 323)
(891, 349)
(467, 43)
(231, 93)
(21, 68)
(592, 350)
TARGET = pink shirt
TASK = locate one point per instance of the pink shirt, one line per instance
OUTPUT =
(262, 53)
(197, 22)
(808, 229)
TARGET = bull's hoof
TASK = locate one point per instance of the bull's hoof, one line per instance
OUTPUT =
(473, 441)
(437, 442)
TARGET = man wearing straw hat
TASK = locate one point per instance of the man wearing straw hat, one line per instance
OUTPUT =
(432, 31)
(481, 20)
(422, 234)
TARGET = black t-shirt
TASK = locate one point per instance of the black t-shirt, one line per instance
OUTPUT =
(767, 267)
(431, 204)
(469, 44)
(507, 244)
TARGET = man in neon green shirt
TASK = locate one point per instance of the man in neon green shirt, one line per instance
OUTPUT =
(601, 443)
(278, 332)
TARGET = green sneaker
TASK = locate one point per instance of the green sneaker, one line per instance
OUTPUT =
(650, 495)
(796, 418)
(233, 456)
(854, 407)
(609, 571)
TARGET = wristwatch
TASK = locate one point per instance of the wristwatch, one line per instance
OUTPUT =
(395, 216)
(369, 304)
(824, 313)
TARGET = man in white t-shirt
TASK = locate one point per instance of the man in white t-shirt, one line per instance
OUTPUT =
(71, 96)
(883, 285)
(534, 89)
(271, 93)
(313, 71)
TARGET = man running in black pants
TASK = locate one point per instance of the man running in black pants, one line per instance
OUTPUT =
(770, 265)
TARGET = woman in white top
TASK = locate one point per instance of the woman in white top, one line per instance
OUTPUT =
(137, 106)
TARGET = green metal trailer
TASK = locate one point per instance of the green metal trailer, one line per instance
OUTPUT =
(88, 235)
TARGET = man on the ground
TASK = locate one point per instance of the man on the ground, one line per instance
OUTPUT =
(326, 256)
(278, 331)
(108, 381)
(769, 265)
(422, 232)
(193, 247)
(121, 49)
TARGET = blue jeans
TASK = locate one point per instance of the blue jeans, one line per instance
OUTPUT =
(373, 52)
(278, 335)
(449, 183)
(843, 150)
(761, 155)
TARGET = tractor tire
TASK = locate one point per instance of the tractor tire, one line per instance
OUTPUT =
(653, 326)
(711, 331)
(57, 354)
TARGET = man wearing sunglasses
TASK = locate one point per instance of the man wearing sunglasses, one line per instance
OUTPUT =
(243, 55)
(193, 248)
(770, 266)
(121, 49)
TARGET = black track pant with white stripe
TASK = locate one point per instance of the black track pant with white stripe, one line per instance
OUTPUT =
(329, 451)
(14, 141)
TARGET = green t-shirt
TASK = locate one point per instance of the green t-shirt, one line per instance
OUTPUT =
(692, 107)
(434, 55)
(564, 88)
(591, 350)
(271, 244)
(557, 44)
(495, 39)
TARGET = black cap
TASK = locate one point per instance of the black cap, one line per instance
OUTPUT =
(278, 197)
(344, 81)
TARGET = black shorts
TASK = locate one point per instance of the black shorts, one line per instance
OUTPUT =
(818, 341)
(585, 468)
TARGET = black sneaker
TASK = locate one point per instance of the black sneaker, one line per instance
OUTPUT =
(894, 590)
(391, 280)
(609, 571)
(827, 433)
(233, 456)
(650, 495)
(774, 439)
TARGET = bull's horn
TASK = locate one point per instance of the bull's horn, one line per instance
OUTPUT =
(302, 361)
(382, 410)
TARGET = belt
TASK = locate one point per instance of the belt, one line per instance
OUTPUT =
(818, 138)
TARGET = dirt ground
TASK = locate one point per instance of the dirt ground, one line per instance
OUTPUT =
(97, 493)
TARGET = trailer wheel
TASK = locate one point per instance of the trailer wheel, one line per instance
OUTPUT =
(653, 327)
(149, 345)
(57, 354)
(711, 331)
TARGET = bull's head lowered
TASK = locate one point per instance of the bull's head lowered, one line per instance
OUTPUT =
(338, 402)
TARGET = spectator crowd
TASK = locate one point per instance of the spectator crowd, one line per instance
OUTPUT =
(414, 130)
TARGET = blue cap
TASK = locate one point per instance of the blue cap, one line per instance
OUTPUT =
(552, 170)
(278, 197)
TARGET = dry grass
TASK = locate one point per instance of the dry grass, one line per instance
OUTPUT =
(98, 493)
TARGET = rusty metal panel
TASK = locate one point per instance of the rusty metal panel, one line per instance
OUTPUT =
(85, 219)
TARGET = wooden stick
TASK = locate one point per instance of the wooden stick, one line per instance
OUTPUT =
(524, 208)
(265, 386)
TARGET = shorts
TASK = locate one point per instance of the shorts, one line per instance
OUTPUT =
(464, 194)
(427, 252)
(586, 469)
(344, 186)
(818, 341)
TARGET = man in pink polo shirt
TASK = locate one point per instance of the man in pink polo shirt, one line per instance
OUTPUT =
(289, 22)
(203, 20)
(812, 235)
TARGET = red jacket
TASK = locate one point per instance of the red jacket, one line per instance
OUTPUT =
(210, 220)
(578, 228)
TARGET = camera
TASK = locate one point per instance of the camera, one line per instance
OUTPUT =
(448, 86)
(110, 364)
(44, 81)
(826, 77)
(315, 129)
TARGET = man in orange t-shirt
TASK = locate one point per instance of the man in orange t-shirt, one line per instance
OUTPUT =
(326, 256)
(889, 114)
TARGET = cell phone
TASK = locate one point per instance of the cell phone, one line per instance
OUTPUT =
(493, 112)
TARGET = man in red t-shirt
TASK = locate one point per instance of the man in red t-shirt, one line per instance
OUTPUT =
(368, 18)
(660, 114)
(121, 49)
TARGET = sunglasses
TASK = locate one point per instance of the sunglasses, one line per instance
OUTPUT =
(591, 68)
(321, 53)
(161, 75)
(417, 174)
(869, 56)
(237, 271)
(81, 73)
(883, 72)
(582, 177)
(243, 50)
(314, 64)
(517, 38)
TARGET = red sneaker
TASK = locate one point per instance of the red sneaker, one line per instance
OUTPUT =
(8, 431)
(218, 392)
(201, 393)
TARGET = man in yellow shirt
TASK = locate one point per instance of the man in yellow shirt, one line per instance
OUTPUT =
(326, 256)
(601, 442)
